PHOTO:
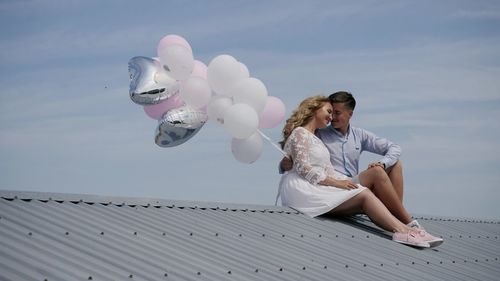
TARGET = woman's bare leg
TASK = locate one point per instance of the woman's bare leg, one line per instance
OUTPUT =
(366, 202)
(380, 184)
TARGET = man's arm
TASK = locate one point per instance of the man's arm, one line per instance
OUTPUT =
(286, 164)
(381, 146)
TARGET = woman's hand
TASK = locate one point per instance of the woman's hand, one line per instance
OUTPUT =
(345, 184)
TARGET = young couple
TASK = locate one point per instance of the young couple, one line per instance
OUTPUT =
(323, 174)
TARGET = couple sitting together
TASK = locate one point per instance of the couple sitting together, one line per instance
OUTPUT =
(322, 169)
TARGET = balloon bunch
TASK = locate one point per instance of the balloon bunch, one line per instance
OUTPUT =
(183, 94)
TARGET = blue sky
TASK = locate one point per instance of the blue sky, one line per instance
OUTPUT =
(425, 75)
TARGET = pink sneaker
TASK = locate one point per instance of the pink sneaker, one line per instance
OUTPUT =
(432, 240)
(411, 238)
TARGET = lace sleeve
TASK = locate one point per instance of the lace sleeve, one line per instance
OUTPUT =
(299, 146)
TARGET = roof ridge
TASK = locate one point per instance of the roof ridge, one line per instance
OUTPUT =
(142, 201)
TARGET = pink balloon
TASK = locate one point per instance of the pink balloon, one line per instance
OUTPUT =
(199, 69)
(156, 111)
(272, 114)
(172, 39)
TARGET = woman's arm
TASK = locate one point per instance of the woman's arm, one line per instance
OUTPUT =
(299, 147)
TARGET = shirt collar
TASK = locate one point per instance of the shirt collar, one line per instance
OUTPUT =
(339, 134)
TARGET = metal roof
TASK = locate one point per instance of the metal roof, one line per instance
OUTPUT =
(49, 236)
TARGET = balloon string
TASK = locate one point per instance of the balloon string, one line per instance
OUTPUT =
(273, 144)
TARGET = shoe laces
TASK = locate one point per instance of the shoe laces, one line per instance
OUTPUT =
(422, 233)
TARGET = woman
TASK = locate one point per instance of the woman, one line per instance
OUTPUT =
(313, 187)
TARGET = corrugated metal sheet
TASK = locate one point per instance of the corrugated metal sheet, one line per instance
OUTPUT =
(81, 237)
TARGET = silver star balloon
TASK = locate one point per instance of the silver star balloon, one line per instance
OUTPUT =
(144, 90)
(179, 125)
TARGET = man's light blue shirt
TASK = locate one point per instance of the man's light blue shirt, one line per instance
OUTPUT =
(345, 151)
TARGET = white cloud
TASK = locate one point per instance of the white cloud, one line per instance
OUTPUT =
(437, 71)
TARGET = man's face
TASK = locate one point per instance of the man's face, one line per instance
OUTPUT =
(341, 116)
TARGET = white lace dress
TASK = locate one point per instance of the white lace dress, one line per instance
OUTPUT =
(299, 188)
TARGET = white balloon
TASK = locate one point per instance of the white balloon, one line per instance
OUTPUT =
(250, 91)
(244, 70)
(222, 72)
(217, 107)
(177, 60)
(241, 120)
(247, 150)
(195, 92)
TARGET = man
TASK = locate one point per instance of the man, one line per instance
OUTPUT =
(346, 143)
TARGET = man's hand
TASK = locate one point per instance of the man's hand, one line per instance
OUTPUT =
(286, 164)
(376, 164)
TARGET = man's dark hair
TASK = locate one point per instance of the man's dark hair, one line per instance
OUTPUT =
(343, 97)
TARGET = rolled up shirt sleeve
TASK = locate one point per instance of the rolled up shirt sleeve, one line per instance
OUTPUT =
(390, 151)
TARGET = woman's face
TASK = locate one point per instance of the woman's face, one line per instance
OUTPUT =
(323, 115)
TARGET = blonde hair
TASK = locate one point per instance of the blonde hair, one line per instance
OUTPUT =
(302, 115)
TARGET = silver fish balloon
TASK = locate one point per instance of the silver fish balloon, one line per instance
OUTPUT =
(178, 125)
(144, 89)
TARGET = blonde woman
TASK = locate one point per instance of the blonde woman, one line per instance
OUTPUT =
(313, 187)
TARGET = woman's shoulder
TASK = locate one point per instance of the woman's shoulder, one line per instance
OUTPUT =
(299, 130)
(301, 134)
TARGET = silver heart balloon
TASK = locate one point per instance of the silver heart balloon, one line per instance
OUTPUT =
(144, 89)
(178, 125)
